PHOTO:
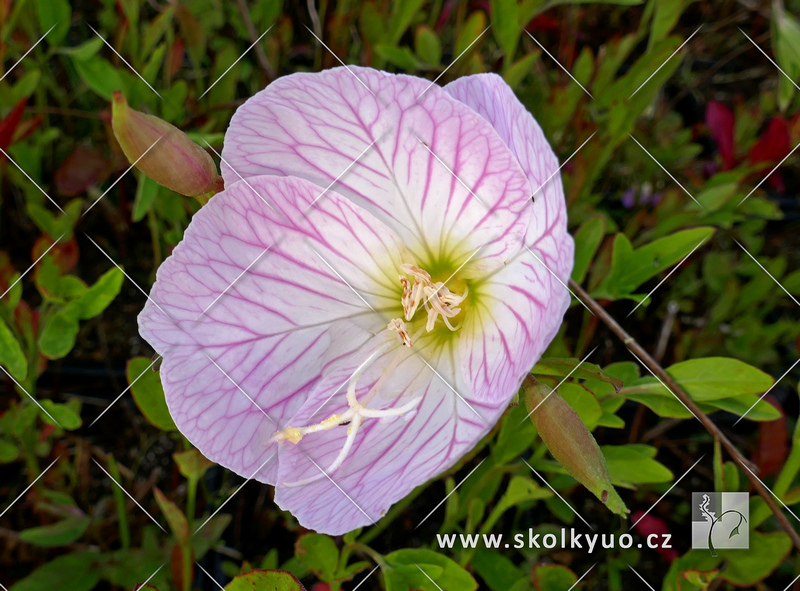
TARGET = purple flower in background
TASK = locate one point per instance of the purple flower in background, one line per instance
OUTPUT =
(360, 304)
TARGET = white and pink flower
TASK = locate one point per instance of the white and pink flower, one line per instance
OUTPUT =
(385, 294)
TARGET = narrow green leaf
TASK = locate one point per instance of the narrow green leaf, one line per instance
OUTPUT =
(587, 241)
(60, 533)
(175, 517)
(148, 393)
(55, 14)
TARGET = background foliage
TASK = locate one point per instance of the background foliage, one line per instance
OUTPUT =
(661, 143)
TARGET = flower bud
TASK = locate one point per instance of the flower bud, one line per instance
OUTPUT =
(571, 443)
(163, 152)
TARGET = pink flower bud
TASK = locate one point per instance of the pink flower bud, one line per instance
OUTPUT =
(163, 152)
(571, 443)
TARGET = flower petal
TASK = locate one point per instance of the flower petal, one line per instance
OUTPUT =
(523, 304)
(494, 100)
(406, 151)
(234, 374)
(388, 458)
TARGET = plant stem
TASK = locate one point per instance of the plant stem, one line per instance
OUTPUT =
(119, 501)
(191, 499)
(715, 432)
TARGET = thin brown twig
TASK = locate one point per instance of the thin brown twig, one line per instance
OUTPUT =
(261, 56)
(656, 368)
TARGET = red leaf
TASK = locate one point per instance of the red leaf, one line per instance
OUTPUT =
(650, 525)
(65, 254)
(721, 122)
(9, 125)
(774, 144)
(772, 448)
(80, 170)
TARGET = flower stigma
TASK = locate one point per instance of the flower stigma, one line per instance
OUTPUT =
(420, 291)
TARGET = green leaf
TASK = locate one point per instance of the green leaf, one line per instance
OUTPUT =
(506, 26)
(634, 464)
(58, 335)
(80, 566)
(84, 51)
(148, 393)
(66, 417)
(515, 74)
(520, 490)
(210, 532)
(706, 379)
(515, 436)
(408, 568)
(99, 75)
(60, 533)
(265, 580)
(587, 241)
(553, 577)
(554, 366)
(428, 46)
(582, 402)
(101, 294)
(667, 13)
(55, 14)
(630, 268)
(497, 570)
(8, 452)
(320, 554)
(191, 463)
(54, 286)
(402, 57)
(473, 27)
(766, 553)
(11, 353)
(146, 192)
(786, 39)
(403, 11)
(175, 517)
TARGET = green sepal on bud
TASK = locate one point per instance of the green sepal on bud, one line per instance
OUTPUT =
(571, 443)
(163, 152)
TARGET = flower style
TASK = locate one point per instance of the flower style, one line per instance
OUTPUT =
(360, 304)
